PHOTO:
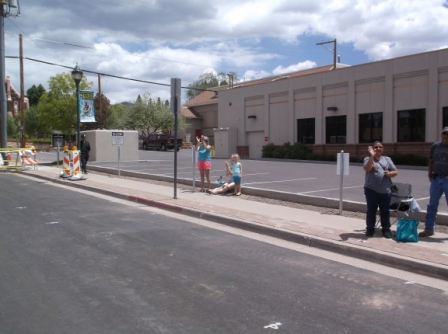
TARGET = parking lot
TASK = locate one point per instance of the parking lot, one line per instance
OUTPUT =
(310, 178)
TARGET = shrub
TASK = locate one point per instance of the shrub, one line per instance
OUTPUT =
(281, 151)
(11, 127)
(268, 151)
(410, 159)
(355, 159)
(40, 140)
(299, 151)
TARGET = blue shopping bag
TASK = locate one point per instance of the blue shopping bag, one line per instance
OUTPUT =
(407, 230)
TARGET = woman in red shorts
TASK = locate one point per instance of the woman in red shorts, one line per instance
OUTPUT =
(204, 161)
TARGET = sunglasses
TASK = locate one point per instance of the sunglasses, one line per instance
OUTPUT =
(445, 133)
(377, 147)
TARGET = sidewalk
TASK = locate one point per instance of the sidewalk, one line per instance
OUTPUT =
(334, 233)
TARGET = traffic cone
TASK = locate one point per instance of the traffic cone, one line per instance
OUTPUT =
(9, 156)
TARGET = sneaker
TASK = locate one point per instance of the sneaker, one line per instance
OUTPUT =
(370, 233)
(387, 234)
(426, 233)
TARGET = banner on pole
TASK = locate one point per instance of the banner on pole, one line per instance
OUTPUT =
(86, 106)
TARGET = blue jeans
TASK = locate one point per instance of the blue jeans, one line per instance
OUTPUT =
(375, 200)
(439, 185)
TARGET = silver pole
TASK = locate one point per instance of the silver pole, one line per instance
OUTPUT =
(57, 153)
(118, 161)
(194, 167)
(342, 182)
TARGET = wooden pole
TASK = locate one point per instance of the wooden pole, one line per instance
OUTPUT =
(334, 54)
(100, 95)
(22, 93)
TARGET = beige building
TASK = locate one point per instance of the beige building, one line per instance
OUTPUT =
(402, 102)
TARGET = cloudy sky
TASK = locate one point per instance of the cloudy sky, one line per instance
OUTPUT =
(155, 40)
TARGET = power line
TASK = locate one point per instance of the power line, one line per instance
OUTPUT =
(110, 75)
(29, 38)
(97, 49)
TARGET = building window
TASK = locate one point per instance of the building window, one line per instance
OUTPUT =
(445, 116)
(306, 128)
(411, 125)
(371, 127)
(336, 129)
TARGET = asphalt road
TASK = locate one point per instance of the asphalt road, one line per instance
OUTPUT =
(73, 262)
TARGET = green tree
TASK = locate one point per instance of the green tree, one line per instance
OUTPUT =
(150, 116)
(57, 107)
(209, 80)
(101, 115)
(118, 117)
(11, 127)
(34, 93)
(34, 128)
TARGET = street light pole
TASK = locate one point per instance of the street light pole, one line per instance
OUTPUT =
(77, 76)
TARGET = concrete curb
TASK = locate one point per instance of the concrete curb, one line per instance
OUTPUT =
(387, 259)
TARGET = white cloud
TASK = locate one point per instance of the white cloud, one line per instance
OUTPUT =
(253, 75)
(293, 68)
(155, 40)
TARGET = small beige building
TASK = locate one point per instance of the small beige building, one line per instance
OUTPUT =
(402, 102)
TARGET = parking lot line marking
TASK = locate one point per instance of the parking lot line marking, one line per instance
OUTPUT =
(423, 198)
(316, 191)
(153, 169)
(311, 178)
(255, 174)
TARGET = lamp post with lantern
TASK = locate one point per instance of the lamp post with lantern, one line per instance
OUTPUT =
(77, 76)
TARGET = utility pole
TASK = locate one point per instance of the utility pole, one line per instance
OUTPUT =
(3, 103)
(334, 50)
(100, 95)
(22, 94)
(174, 105)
